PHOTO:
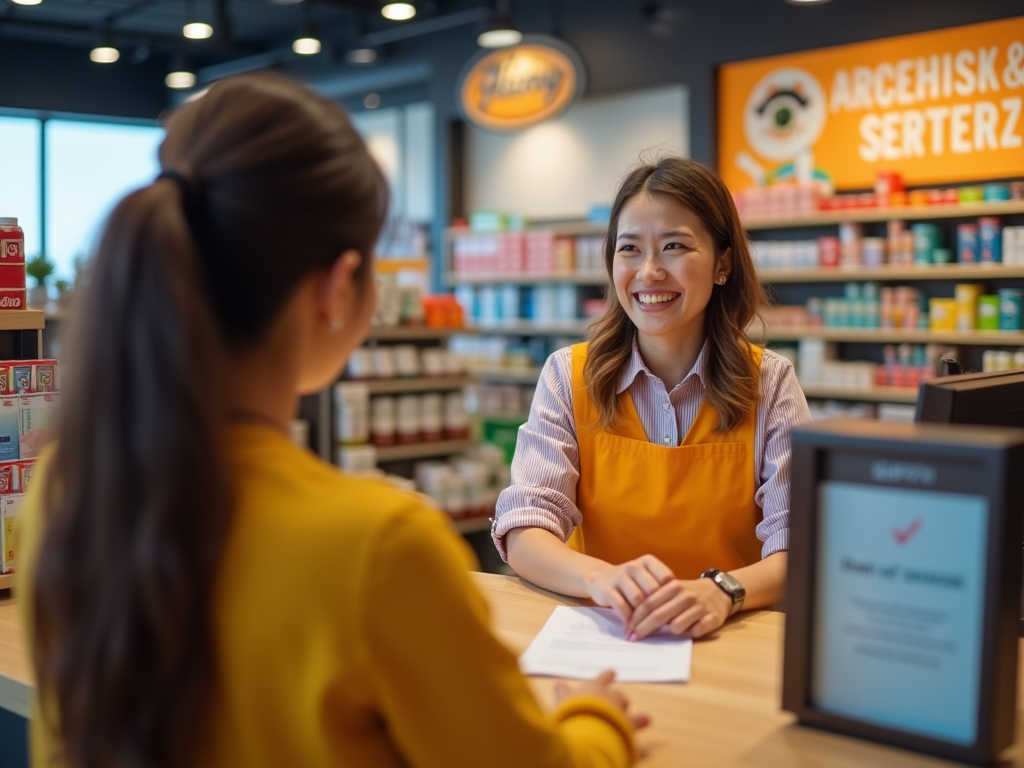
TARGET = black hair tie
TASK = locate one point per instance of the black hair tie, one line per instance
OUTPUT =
(190, 185)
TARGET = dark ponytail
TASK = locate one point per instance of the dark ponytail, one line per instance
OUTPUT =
(266, 183)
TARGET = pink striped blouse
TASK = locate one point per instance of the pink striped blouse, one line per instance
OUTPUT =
(545, 467)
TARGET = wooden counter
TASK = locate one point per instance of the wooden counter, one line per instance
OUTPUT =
(728, 715)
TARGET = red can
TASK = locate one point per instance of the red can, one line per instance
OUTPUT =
(12, 241)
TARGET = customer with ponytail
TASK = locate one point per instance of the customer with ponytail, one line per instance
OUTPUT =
(197, 590)
(659, 453)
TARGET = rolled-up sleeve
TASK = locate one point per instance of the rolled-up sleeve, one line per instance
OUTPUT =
(783, 407)
(545, 466)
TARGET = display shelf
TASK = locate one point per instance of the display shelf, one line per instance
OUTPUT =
(560, 229)
(421, 384)
(873, 394)
(503, 416)
(892, 272)
(895, 336)
(526, 328)
(22, 320)
(476, 524)
(416, 333)
(521, 278)
(507, 375)
(423, 450)
(6, 580)
(909, 213)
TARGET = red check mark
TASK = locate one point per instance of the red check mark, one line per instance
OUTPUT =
(902, 537)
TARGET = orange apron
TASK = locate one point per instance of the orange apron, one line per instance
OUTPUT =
(691, 506)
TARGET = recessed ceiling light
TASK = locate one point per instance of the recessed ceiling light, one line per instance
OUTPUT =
(26, 2)
(398, 11)
(104, 54)
(361, 56)
(197, 30)
(180, 79)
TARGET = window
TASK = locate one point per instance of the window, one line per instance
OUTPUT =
(89, 168)
(19, 177)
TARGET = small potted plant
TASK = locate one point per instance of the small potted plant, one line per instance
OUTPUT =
(39, 268)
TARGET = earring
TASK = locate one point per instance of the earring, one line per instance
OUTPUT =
(334, 325)
(721, 280)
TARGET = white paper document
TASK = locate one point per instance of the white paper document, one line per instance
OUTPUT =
(583, 642)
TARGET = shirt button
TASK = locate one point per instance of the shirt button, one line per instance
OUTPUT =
(668, 439)
(666, 406)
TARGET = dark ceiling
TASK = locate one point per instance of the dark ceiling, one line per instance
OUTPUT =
(141, 28)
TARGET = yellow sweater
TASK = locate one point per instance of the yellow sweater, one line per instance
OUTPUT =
(349, 634)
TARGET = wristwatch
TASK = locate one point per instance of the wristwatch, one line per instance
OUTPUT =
(729, 585)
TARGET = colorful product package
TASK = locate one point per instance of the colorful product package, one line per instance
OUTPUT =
(23, 474)
(21, 378)
(8, 477)
(9, 427)
(9, 506)
(37, 421)
(6, 378)
(45, 376)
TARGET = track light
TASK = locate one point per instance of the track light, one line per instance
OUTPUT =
(307, 43)
(197, 30)
(181, 75)
(398, 11)
(104, 54)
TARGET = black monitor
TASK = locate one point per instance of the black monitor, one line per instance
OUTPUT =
(986, 399)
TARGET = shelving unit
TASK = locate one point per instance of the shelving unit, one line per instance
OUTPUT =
(508, 375)
(802, 279)
(423, 450)
(906, 213)
(422, 384)
(518, 278)
(6, 581)
(526, 328)
(466, 525)
(896, 336)
(893, 272)
(416, 333)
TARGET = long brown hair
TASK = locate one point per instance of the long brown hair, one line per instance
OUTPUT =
(732, 374)
(264, 183)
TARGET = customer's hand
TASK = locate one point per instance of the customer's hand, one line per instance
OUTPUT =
(601, 688)
(624, 587)
(696, 607)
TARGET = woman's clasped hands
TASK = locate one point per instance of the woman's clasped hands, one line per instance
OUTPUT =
(646, 595)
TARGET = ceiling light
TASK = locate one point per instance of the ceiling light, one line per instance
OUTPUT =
(499, 38)
(104, 54)
(372, 101)
(398, 11)
(181, 78)
(361, 56)
(306, 46)
(26, 2)
(501, 31)
(197, 30)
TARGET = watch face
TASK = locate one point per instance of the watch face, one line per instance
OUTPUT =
(732, 586)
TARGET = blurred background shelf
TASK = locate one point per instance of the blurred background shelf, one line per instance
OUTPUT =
(526, 328)
(521, 278)
(895, 336)
(828, 218)
(416, 333)
(498, 375)
(892, 272)
(874, 394)
(424, 450)
(6, 580)
(471, 524)
(422, 384)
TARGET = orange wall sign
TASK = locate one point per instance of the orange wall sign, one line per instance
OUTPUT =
(938, 107)
(514, 87)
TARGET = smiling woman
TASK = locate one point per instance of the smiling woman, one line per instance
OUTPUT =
(653, 473)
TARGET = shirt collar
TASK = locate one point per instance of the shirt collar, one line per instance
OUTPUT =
(636, 365)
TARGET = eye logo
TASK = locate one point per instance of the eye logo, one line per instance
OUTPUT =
(785, 114)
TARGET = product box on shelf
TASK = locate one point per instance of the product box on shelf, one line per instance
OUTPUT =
(38, 416)
(15, 476)
(9, 506)
(12, 264)
(25, 377)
